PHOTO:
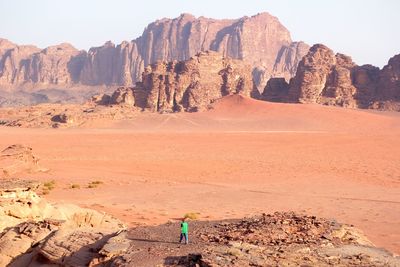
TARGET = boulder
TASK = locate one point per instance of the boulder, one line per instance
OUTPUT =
(123, 96)
(101, 99)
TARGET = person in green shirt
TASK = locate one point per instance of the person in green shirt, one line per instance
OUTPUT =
(184, 231)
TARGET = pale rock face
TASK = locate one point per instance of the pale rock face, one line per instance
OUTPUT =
(257, 40)
(30, 66)
(61, 233)
(261, 41)
(288, 59)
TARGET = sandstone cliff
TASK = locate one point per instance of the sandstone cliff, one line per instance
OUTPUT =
(31, 67)
(194, 84)
(334, 79)
(261, 41)
(188, 85)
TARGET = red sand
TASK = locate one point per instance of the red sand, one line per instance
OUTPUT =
(242, 157)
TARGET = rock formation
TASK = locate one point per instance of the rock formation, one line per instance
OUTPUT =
(288, 59)
(261, 41)
(325, 78)
(58, 65)
(389, 82)
(194, 84)
(17, 159)
(123, 96)
(35, 231)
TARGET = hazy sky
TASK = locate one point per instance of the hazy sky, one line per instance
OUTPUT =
(367, 30)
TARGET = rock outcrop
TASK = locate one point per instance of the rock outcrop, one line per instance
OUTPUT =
(334, 79)
(261, 41)
(17, 159)
(389, 81)
(34, 230)
(325, 78)
(123, 96)
(194, 84)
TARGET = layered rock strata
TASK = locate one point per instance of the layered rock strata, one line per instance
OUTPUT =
(261, 41)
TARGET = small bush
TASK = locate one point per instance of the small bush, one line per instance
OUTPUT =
(75, 186)
(49, 185)
(94, 184)
(192, 215)
(45, 192)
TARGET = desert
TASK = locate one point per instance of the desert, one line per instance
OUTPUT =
(251, 157)
(273, 151)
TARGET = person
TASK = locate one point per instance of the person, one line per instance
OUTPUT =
(184, 231)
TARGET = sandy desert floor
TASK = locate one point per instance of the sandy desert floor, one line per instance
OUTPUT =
(240, 158)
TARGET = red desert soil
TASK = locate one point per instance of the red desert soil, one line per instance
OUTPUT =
(240, 158)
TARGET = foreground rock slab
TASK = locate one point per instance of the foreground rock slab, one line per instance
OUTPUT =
(35, 231)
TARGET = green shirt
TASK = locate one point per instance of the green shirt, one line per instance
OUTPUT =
(184, 227)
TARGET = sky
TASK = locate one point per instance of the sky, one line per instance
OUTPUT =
(367, 30)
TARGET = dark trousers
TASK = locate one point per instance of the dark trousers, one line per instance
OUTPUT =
(184, 235)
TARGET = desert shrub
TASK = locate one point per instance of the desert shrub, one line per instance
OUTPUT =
(75, 186)
(50, 185)
(94, 184)
(192, 215)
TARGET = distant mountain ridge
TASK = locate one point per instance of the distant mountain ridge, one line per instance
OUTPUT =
(261, 41)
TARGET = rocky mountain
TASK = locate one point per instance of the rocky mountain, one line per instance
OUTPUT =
(193, 84)
(334, 79)
(32, 67)
(261, 41)
(189, 85)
